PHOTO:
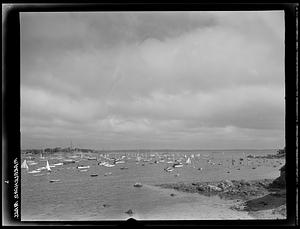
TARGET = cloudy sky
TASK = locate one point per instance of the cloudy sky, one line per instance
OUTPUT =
(197, 80)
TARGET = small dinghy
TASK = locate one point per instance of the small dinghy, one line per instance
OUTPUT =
(41, 168)
(94, 175)
(109, 165)
(169, 169)
(138, 185)
(52, 181)
(68, 161)
(83, 167)
(32, 163)
(177, 165)
(37, 175)
(34, 171)
(119, 162)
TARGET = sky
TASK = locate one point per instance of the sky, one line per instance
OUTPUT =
(156, 80)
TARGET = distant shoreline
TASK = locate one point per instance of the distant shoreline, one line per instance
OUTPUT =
(160, 150)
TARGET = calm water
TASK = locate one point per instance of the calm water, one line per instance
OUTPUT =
(78, 196)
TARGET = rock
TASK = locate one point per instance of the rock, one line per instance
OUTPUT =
(228, 183)
(172, 194)
(238, 207)
(222, 186)
(200, 188)
(280, 181)
(225, 184)
(214, 188)
(244, 183)
(129, 212)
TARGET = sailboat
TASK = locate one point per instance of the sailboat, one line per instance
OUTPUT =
(41, 155)
(188, 161)
(48, 166)
(24, 165)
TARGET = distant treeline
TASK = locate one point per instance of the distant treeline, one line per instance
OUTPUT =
(281, 152)
(56, 150)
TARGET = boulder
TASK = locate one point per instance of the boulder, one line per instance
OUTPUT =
(129, 212)
(214, 188)
(280, 181)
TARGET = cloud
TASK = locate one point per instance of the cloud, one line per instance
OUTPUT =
(154, 78)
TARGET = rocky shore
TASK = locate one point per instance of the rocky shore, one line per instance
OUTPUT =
(280, 154)
(260, 198)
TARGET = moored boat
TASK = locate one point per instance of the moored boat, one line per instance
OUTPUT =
(169, 169)
(34, 171)
(48, 166)
(138, 185)
(68, 161)
(24, 165)
(83, 167)
(177, 165)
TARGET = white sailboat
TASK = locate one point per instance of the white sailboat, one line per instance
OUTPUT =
(48, 166)
(24, 165)
(41, 155)
(188, 161)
